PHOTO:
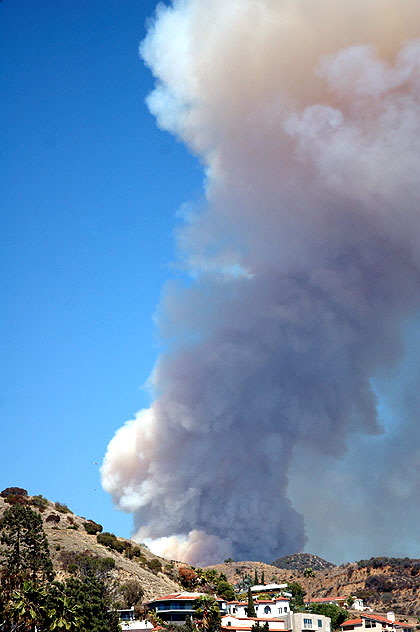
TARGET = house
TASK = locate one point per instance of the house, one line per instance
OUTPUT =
(244, 624)
(375, 623)
(268, 588)
(131, 624)
(306, 622)
(176, 607)
(357, 604)
(290, 622)
(276, 612)
(336, 601)
(263, 607)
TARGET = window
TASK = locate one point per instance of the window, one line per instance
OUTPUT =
(267, 610)
(285, 608)
(280, 610)
(320, 623)
(307, 623)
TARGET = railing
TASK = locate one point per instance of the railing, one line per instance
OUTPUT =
(177, 606)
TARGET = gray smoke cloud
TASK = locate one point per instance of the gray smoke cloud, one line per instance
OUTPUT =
(305, 266)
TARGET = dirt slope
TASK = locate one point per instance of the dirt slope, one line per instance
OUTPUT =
(69, 535)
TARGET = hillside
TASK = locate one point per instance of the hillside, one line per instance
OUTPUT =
(67, 537)
(301, 561)
(384, 583)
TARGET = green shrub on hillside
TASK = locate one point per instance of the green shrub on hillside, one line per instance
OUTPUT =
(92, 527)
(155, 565)
(39, 502)
(132, 551)
(110, 540)
(86, 563)
(62, 508)
(393, 562)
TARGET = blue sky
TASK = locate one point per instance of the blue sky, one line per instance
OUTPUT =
(88, 197)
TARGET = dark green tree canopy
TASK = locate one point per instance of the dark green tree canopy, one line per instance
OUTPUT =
(335, 613)
(250, 611)
(25, 549)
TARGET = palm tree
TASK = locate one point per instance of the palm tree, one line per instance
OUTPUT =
(207, 613)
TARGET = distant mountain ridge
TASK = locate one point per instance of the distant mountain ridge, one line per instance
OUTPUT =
(301, 561)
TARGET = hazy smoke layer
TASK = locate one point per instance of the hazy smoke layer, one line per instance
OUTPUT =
(305, 263)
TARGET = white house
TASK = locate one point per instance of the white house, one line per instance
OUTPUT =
(277, 614)
(244, 624)
(263, 607)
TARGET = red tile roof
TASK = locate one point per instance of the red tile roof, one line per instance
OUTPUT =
(385, 620)
(374, 617)
(324, 599)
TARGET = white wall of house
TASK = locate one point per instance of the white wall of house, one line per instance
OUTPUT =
(269, 608)
(295, 621)
(136, 625)
(309, 622)
(238, 623)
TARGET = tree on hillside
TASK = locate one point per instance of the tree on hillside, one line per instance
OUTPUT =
(96, 613)
(207, 614)
(335, 613)
(298, 594)
(309, 572)
(225, 590)
(250, 610)
(88, 589)
(25, 547)
(132, 592)
(188, 577)
(255, 577)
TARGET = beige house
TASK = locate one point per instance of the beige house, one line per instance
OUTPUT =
(375, 623)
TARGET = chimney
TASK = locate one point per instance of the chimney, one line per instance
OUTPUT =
(390, 616)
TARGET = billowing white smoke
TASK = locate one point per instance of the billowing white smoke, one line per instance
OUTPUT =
(305, 262)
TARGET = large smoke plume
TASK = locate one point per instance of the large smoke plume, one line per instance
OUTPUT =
(305, 267)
